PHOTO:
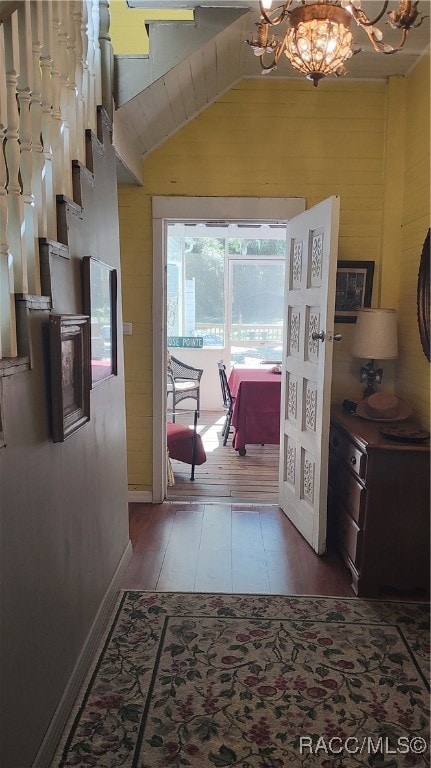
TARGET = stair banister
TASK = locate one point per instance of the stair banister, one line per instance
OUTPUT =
(54, 56)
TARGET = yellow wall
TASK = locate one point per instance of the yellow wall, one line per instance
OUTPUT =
(127, 30)
(413, 369)
(267, 137)
(136, 276)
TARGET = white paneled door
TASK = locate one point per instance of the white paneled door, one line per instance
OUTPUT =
(310, 276)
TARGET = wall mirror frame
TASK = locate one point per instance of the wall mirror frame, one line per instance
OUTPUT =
(423, 297)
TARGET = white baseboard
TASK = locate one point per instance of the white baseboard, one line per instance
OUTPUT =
(55, 729)
(140, 496)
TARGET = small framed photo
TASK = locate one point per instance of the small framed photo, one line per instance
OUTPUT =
(70, 374)
(100, 303)
(353, 289)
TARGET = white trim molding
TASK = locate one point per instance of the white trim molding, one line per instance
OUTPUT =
(177, 209)
(139, 497)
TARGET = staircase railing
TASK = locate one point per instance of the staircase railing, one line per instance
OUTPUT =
(55, 69)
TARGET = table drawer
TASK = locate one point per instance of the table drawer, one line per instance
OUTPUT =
(348, 452)
(350, 538)
(348, 489)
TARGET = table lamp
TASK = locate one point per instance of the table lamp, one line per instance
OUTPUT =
(375, 338)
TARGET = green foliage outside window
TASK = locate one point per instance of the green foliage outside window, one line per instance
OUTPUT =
(257, 290)
(205, 263)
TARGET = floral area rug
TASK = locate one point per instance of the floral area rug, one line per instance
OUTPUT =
(254, 681)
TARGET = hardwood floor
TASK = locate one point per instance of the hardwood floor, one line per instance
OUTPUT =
(224, 532)
(226, 476)
(223, 547)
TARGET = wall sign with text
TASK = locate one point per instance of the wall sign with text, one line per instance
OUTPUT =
(186, 342)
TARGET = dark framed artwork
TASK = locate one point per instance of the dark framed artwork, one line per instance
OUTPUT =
(100, 303)
(353, 289)
(70, 374)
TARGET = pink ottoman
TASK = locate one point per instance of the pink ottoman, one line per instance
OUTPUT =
(184, 444)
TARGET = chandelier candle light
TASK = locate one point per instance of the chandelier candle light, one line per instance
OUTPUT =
(375, 339)
(317, 39)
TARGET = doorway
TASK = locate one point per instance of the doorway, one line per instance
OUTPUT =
(220, 212)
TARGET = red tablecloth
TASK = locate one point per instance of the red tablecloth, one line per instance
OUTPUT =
(256, 410)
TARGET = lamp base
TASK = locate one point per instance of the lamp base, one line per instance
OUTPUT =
(372, 376)
(370, 390)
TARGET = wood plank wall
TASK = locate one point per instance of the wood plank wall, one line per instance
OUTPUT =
(134, 207)
(413, 369)
(265, 137)
(128, 31)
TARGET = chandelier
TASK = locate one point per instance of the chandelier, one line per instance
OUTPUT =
(317, 39)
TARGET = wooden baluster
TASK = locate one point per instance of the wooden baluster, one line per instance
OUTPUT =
(97, 65)
(79, 80)
(15, 222)
(71, 71)
(24, 91)
(91, 104)
(7, 300)
(47, 119)
(106, 58)
(38, 177)
(86, 71)
(56, 128)
(64, 98)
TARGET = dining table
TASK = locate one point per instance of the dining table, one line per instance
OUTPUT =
(256, 396)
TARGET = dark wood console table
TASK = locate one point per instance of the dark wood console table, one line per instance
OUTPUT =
(379, 506)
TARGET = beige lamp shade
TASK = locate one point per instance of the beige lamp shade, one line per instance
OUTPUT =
(376, 334)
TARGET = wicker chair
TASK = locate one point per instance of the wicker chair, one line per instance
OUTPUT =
(183, 382)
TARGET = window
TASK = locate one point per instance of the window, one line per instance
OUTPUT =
(225, 285)
(195, 284)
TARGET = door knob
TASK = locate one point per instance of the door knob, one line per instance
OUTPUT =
(318, 336)
(321, 336)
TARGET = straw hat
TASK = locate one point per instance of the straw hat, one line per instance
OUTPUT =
(383, 406)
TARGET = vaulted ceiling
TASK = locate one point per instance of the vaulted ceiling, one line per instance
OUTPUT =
(190, 64)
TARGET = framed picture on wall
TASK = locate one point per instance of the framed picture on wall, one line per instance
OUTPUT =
(70, 374)
(100, 303)
(353, 290)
